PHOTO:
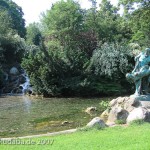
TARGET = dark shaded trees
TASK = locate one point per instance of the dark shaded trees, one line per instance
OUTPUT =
(12, 28)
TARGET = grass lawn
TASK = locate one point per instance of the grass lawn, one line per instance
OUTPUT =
(134, 137)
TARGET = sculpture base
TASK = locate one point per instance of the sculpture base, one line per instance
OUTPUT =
(141, 97)
(128, 109)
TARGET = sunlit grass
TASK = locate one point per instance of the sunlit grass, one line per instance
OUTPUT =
(134, 137)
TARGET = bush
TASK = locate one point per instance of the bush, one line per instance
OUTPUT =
(113, 61)
(12, 48)
(63, 71)
(104, 104)
(120, 121)
(137, 122)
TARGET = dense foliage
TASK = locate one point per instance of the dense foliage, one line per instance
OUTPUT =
(12, 28)
(12, 32)
(139, 20)
(33, 34)
(75, 51)
(14, 16)
(80, 52)
(112, 60)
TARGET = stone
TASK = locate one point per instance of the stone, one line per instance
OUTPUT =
(131, 103)
(5, 76)
(14, 71)
(65, 123)
(122, 115)
(90, 109)
(126, 109)
(105, 115)
(96, 121)
(140, 113)
(22, 79)
(146, 104)
(117, 113)
(113, 102)
(121, 100)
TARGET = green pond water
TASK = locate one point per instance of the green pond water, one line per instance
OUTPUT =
(22, 115)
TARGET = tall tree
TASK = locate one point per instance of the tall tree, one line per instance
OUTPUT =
(33, 34)
(107, 20)
(16, 14)
(139, 19)
(63, 21)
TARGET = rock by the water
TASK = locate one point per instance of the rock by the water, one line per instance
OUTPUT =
(14, 71)
(127, 109)
(117, 113)
(65, 123)
(90, 109)
(105, 115)
(96, 121)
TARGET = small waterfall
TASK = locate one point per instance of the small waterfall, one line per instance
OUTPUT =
(26, 86)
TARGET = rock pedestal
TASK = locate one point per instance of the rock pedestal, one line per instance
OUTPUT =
(127, 109)
(96, 121)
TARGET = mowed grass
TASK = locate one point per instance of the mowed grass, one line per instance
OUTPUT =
(135, 137)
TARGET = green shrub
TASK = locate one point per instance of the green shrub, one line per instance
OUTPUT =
(104, 105)
(137, 122)
(112, 60)
(120, 121)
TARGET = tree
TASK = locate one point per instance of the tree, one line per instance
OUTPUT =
(33, 36)
(113, 61)
(64, 21)
(5, 23)
(139, 18)
(69, 60)
(12, 28)
(16, 15)
(12, 48)
(107, 19)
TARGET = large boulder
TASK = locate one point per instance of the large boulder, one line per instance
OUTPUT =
(127, 109)
(139, 113)
(14, 71)
(96, 121)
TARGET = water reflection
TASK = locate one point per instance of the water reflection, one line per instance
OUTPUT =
(21, 115)
(27, 104)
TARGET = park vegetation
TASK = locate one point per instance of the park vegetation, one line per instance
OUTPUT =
(74, 51)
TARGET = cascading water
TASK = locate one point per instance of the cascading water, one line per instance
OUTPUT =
(26, 86)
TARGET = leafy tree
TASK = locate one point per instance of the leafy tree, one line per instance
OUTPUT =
(5, 23)
(12, 26)
(107, 20)
(69, 60)
(64, 20)
(16, 15)
(113, 61)
(12, 48)
(33, 36)
(139, 18)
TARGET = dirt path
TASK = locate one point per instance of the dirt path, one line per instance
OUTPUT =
(41, 135)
